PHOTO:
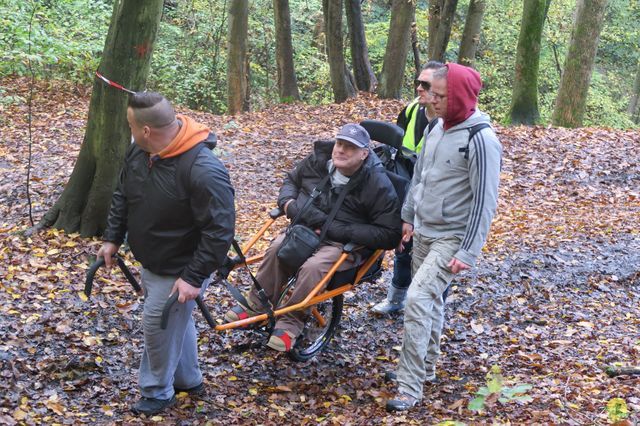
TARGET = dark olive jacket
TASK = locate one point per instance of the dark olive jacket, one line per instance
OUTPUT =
(176, 231)
(370, 213)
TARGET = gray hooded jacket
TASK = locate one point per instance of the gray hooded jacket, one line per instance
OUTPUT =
(451, 195)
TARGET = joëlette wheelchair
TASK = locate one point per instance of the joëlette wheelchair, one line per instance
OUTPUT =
(325, 301)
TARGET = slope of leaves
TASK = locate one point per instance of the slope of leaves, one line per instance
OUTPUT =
(555, 297)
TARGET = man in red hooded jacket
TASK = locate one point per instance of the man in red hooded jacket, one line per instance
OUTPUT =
(448, 210)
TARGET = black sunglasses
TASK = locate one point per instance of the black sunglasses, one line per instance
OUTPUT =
(425, 84)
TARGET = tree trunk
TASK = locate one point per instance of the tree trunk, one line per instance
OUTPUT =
(524, 101)
(441, 39)
(364, 76)
(395, 55)
(435, 11)
(237, 69)
(634, 102)
(415, 45)
(471, 32)
(84, 204)
(340, 79)
(578, 66)
(287, 83)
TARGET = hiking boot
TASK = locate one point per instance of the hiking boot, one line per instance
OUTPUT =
(281, 340)
(151, 406)
(401, 402)
(194, 391)
(393, 303)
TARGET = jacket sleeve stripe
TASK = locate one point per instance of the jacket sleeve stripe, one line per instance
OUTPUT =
(479, 193)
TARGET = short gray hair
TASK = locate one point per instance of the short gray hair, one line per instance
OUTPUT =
(432, 65)
(441, 73)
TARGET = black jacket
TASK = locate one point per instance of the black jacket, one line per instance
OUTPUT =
(370, 213)
(173, 230)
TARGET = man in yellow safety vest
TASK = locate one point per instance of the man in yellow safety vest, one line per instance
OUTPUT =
(414, 119)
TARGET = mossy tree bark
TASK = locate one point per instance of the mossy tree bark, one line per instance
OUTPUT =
(395, 55)
(443, 31)
(287, 82)
(524, 99)
(237, 60)
(578, 66)
(362, 70)
(83, 206)
(471, 32)
(341, 80)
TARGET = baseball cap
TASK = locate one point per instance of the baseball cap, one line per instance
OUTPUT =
(354, 133)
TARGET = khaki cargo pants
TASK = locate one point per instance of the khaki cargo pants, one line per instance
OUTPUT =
(424, 311)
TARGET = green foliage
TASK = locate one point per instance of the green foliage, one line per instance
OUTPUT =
(190, 56)
(495, 388)
(617, 409)
(189, 64)
(67, 37)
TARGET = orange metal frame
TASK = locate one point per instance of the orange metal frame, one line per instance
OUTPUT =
(314, 297)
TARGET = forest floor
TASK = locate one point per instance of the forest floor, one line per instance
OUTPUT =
(555, 297)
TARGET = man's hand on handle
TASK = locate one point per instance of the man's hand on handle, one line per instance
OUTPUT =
(185, 290)
(407, 234)
(107, 250)
(457, 266)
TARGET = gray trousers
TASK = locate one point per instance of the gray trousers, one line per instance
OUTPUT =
(424, 311)
(170, 357)
(273, 277)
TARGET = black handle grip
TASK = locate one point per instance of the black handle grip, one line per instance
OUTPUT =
(205, 312)
(127, 273)
(164, 320)
(275, 213)
(167, 309)
(88, 284)
(91, 272)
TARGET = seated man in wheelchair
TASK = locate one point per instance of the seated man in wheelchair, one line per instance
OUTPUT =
(367, 215)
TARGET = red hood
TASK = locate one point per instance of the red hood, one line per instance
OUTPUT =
(463, 86)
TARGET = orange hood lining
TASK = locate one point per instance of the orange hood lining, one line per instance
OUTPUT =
(191, 133)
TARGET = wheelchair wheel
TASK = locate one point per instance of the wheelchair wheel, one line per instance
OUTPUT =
(315, 336)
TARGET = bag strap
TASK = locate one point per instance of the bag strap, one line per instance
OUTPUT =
(314, 194)
(472, 132)
(183, 172)
(334, 210)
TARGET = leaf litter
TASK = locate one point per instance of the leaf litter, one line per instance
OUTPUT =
(552, 302)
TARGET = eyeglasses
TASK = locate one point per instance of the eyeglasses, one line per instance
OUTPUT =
(424, 84)
(436, 96)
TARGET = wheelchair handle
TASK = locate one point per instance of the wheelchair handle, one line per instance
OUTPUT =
(91, 272)
(164, 320)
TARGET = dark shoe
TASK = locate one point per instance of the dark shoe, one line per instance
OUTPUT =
(391, 376)
(401, 402)
(151, 406)
(194, 391)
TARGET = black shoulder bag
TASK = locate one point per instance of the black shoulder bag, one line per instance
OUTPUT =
(300, 241)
